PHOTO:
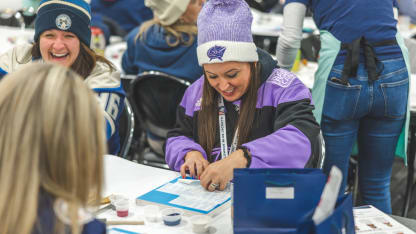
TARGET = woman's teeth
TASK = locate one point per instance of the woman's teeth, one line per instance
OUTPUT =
(59, 55)
(229, 91)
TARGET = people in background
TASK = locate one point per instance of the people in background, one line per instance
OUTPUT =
(125, 14)
(408, 8)
(51, 152)
(167, 43)
(115, 18)
(243, 112)
(361, 87)
(62, 36)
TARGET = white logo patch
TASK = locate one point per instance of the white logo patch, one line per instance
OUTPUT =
(63, 22)
(198, 103)
(282, 78)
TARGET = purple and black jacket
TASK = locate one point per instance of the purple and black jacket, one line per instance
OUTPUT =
(283, 129)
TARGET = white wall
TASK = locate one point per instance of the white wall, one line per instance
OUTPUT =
(12, 4)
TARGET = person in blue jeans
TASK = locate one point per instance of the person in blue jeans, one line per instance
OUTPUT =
(361, 87)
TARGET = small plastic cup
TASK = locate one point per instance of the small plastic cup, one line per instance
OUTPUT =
(122, 207)
(171, 216)
(151, 213)
(116, 197)
(200, 223)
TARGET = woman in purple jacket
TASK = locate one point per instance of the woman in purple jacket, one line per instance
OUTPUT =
(242, 98)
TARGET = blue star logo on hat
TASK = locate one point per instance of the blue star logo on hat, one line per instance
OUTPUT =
(63, 22)
(216, 52)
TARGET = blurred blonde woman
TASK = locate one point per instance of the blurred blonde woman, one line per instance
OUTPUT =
(51, 146)
(166, 43)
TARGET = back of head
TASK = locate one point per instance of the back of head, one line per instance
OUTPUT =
(167, 11)
(51, 139)
(168, 14)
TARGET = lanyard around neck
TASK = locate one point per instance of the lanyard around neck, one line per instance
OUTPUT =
(223, 131)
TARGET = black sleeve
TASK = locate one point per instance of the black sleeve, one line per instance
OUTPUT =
(299, 114)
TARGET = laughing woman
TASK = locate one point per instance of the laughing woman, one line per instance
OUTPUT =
(265, 113)
(62, 36)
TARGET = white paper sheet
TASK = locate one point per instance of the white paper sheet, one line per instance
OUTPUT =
(369, 219)
(195, 196)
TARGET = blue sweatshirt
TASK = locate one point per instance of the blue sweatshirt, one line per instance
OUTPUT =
(127, 13)
(153, 53)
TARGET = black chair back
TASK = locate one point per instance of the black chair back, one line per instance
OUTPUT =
(155, 97)
(126, 129)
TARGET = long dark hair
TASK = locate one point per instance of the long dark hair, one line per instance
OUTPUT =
(85, 62)
(208, 115)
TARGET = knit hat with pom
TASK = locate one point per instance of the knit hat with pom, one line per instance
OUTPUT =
(224, 32)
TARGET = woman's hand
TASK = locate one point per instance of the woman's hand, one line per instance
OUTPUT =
(195, 163)
(218, 174)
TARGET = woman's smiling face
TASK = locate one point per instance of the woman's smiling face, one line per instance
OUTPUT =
(230, 79)
(59, 47)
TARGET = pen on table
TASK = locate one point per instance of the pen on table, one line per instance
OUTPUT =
(104, 209)
(188, 181)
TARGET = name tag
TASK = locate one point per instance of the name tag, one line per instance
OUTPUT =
(280, 193)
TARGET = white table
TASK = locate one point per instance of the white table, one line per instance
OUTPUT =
(13, 36)
(13, 5)
(114, 52)
(405, 28)
(132, 180)
(269, 24)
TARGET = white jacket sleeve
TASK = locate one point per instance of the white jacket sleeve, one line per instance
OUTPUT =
(14, 58)
(289, 39)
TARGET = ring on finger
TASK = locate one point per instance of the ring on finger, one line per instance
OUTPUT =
(214, 186)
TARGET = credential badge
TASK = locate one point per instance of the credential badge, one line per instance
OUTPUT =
(63, 22)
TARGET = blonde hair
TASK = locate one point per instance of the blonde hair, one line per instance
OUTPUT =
(51, 139)
(175, 32)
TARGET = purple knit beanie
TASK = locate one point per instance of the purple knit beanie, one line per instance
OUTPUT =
(224, 32)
